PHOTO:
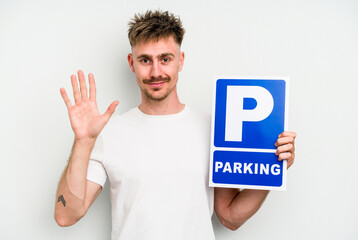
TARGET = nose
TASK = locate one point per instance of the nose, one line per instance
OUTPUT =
(156, 70)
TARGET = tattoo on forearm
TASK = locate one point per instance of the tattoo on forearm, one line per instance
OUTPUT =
(60, 198)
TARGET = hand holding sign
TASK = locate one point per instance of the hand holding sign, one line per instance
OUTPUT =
(286, 147)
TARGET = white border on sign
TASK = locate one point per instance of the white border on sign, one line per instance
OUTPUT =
(213, 148)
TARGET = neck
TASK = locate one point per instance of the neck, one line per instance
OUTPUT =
(169, 105)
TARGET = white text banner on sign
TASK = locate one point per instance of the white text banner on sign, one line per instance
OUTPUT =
(248, 115)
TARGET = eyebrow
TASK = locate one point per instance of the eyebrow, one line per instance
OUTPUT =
(160, 56)
(144, 56)
(166, 55)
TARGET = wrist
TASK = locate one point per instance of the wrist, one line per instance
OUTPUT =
(84, 143)
(85, 140)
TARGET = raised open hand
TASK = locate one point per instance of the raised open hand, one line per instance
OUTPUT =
(86, 121)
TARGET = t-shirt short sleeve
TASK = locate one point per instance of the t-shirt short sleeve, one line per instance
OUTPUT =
(96, 171)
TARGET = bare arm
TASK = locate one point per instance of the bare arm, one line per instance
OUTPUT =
(234, 207)
(75, 193)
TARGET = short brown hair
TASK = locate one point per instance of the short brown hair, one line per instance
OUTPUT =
(154, 26)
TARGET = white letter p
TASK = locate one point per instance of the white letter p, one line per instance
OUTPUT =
(236, 114)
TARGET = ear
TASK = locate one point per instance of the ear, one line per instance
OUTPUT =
(181, 61)
(130, 61)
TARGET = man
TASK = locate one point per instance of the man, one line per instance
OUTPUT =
(156, 156)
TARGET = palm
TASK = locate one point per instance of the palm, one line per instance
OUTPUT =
(86, 121)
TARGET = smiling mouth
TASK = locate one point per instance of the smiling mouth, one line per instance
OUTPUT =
(155, 81)
(156, 84)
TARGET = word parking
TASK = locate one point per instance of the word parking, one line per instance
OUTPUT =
(247, 168)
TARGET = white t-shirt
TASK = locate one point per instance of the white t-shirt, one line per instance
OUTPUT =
(158, 167)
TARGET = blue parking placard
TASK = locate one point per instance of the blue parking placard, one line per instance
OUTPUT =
(248, 115)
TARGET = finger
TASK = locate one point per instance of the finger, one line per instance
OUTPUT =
(284, 140)
(65, 98)
(285, 148)
(92, 87)
(287, 134)
(110, 110)
(284, 156)
(83, 87)
(76, 93)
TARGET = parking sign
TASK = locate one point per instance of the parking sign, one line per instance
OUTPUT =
(248, 115)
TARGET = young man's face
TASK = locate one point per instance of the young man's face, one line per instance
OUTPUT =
(156, 65)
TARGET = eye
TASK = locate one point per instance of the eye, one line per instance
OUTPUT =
(166, 59)
(145, 60)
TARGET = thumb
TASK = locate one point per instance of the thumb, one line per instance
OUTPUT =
(110, 110)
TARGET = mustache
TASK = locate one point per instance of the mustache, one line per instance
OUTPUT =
(157, 79)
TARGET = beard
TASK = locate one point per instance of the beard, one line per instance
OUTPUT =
(160, 97)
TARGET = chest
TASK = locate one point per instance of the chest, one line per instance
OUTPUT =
(176, 155)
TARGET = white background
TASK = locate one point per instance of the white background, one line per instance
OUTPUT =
(314, 42)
